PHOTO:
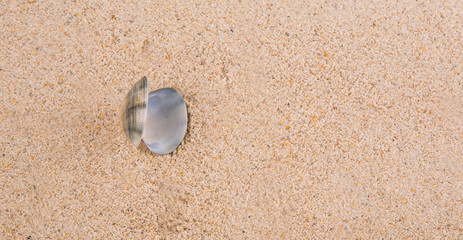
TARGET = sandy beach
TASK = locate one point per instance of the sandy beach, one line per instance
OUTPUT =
(307, 119)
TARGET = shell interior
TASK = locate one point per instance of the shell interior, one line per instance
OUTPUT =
(166, 121)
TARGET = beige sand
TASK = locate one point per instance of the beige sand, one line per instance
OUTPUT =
(317, 119)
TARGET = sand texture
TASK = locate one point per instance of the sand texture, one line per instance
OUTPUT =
(307, 119)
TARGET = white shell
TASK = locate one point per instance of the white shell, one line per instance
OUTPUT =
(166, 121)
(160, 118)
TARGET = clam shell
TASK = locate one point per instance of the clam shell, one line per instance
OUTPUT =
(166, 121)
(134, 111)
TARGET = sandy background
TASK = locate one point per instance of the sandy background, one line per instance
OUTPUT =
(330, 119)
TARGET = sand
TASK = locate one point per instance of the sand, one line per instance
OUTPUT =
(307, 119)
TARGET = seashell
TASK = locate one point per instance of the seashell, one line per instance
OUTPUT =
(134, 111)
(159, 118)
